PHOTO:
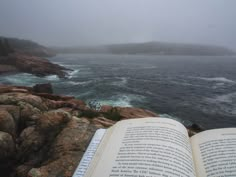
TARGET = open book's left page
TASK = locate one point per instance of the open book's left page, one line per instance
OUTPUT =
(89, 154)
(144, 147)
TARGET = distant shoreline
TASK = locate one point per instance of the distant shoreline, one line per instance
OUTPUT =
(151, 48)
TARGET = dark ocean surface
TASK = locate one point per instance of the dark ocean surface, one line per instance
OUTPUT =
(198, 89)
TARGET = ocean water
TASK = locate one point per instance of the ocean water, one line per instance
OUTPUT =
(196, 89)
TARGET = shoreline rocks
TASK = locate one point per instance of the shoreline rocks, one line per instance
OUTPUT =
(45, 135)
(19, 62)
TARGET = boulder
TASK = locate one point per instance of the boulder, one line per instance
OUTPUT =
(52, 121)
(27, 115)
(35, 141)
(67, 150)
(13, 110)
(105, 108)
(8, 150)
(129, 112)
(7, 146)
(33, 100)
(7, 123)
(43, 88)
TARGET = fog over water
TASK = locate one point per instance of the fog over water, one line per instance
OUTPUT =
(93, 22)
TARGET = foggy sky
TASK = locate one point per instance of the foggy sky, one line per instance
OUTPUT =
(93, 22)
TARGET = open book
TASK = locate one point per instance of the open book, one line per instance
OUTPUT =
(151, 147)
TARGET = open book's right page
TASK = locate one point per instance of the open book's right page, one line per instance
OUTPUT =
(214, 152)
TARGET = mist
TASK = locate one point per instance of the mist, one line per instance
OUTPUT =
(93, 22)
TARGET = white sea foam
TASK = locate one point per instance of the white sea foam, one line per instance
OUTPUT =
(79, 83)
(52, 78)
(28, 79)
(220, 84)
(73, 83)
(122, 81)
(215, 79)
(185, 83)
(73, 73)
(226, 98)
(59, 63)
(123, 101)
(24, 79)
(149, 67)
(223, 103)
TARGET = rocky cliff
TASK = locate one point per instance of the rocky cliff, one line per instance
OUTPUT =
(19, 62)
(45, 135)
(20, 56)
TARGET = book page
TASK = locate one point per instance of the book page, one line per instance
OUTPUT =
(145, 147)
(214, 152)
(89, 154)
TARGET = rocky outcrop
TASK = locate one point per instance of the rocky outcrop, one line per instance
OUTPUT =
(18, 62)
(7, 69)
(129, 112)
(24, 56)
(45, 135)
(43, 88)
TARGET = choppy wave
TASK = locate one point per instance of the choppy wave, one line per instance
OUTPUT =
(149, 67)
(79, 83)
(23, 79)
(52, 78)
(226, 98)
(168, 89)
(223, 103)
(216, 79)
(122, 81)
(124, 101)
(121, 100)
(26, 79)
(234, 111)
(185, 84)
(72, 74)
